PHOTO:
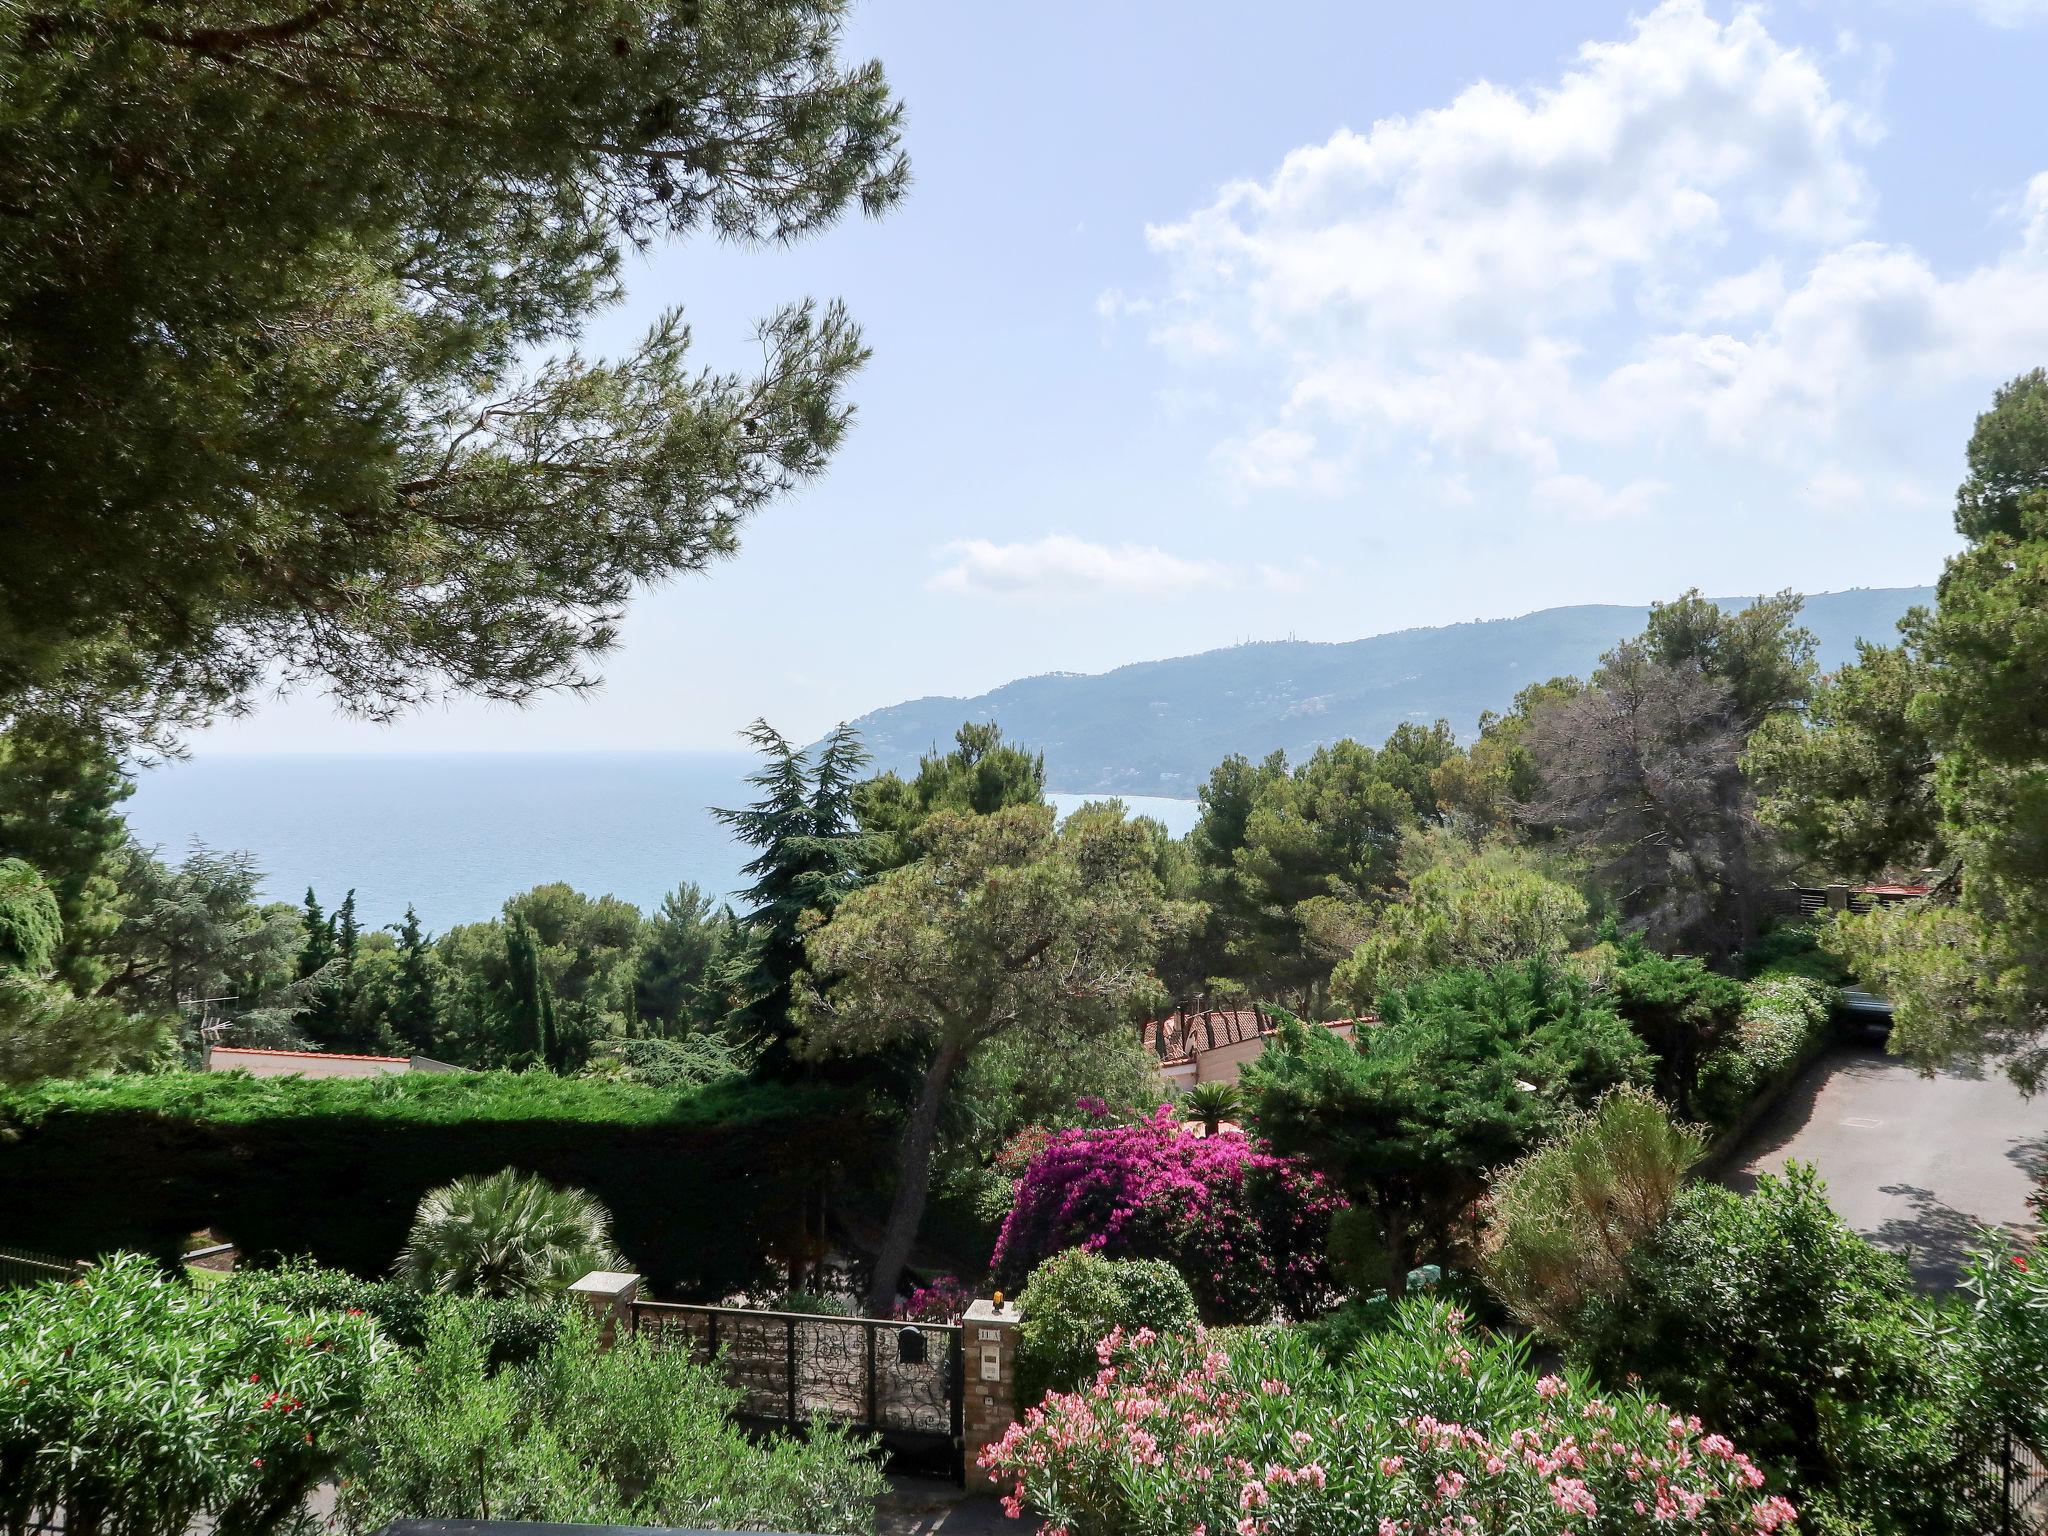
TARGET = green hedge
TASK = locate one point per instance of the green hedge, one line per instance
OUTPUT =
(1784, 1017)
(707, 1189)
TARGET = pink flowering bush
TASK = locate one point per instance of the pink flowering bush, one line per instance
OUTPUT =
(1428, 1430)
(945, 1300)
(1249, 1230)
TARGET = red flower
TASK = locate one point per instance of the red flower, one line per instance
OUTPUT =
(2019, 1263)
(255, 1461)
(254, 1377)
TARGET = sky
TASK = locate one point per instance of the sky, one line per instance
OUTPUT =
(1204, 323)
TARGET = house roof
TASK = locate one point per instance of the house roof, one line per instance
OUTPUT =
(258, 1050)
(1178, 1038)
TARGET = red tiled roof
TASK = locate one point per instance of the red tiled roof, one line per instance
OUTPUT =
(258, 1050)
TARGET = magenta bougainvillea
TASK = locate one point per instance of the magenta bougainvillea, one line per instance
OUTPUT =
(1249, 1230)
(945, 1300)
(1435, 1431)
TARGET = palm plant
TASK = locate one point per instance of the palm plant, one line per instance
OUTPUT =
(1212, 1104)
(507, 1234)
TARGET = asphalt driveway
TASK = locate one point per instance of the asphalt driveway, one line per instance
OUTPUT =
(1915, 1164)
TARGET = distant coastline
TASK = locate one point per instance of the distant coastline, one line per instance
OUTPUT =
(455, 833)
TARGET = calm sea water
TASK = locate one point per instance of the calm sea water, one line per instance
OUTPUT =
(457, 834)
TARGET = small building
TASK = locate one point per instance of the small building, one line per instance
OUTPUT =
(259, 1062)
(1212, 1046)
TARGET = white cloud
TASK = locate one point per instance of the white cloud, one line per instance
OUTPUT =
(2010, 13)
(1586, 500)
(1062, 567)
(1278, 458)
(1299, 576)
(1671, 244)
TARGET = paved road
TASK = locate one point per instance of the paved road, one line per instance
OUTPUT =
(1915, 1164)
(922, 1506)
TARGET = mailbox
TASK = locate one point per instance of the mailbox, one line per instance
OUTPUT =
(909, 1346)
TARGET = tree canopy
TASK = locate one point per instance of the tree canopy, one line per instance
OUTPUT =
(1003, 927)
(1463, 1072)
(288, 305)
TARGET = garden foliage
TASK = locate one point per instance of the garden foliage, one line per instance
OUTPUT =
(506, 1235)
(1767, 1316)
(1562, 1222)
(1431, 1428)
(631, 1436)
(1249, 1230)
(1075, 1299)
(1783, 1019)
(132, 1404)
(709, 1188)
(1464, 1072)
(512, 1329)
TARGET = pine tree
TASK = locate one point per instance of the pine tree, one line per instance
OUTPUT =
(810, 859)
(411, 481)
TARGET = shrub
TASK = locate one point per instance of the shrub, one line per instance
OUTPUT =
(1075, 1299)
(1793, 950)
(671, 1061)
(1465, 1071)
(506, 1235)
(1431, 1429)
(708, 1190)
(2002, 1341)
(1767, 1316)
(634, 1436)
(1783, 1017)
(1563, 1221)
(1249, 1230)
(1682, 1011)
(513, 1329)
(135, 1404)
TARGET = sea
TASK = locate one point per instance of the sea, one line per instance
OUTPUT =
(455, 834)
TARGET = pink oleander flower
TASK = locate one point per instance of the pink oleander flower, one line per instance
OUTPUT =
(1549, 1387)
(1774, 1513)
(1573, 1497)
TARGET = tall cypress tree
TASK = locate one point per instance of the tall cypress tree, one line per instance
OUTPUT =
(412, 992)
(809, 859)
(529, 1003)
(318, 946)
(346, 932)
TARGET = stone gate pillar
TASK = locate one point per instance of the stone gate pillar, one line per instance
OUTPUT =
(988, 1335)
(608, 1295)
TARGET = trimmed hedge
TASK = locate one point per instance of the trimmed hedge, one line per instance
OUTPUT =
(1783, 1018)
(707, 1189)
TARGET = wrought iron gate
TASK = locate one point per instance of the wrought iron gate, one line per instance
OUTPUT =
(901, 1381)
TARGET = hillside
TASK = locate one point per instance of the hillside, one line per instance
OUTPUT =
(1158, 727)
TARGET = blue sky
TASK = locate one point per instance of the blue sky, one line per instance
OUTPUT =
(1204, 323)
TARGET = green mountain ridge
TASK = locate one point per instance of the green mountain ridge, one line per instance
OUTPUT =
(1158, 727)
